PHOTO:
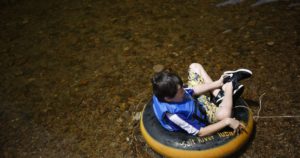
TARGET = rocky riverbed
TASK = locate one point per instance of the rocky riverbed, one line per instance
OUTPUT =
(75, 75)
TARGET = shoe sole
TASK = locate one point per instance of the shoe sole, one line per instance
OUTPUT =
(239, 70)
(234, 92)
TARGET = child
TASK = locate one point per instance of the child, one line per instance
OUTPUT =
(176, 109)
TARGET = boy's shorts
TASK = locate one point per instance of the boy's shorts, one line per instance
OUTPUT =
(211, 108)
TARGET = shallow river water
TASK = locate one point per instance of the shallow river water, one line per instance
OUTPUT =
(75, 74)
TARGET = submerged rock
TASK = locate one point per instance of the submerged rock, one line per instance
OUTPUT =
(227, 31)
(271, 43)
(158, 68)
(136, 117)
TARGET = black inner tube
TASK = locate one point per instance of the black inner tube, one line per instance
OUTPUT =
(182, 140)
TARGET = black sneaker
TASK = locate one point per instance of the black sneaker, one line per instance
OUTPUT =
(218, 99)
(238, 90)
(237, 74)
(228, 78)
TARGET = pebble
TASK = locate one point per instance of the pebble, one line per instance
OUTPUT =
(124, 147)
(175, 54)
(83, 82)
(252, 23)
(270, 43)
(31, 80)
(274, 88)
(25, 21)
(158, 68)
(18, 72)
(170, 45)
(126, 49)
(136, 117)
(189, 49)
(247, 35)
(113, 144)
(236, 53)
(126, 115)
(102, 111)
(123, 106)
(227, 31)
(120, 120)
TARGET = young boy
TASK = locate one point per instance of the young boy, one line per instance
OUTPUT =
(176, 109)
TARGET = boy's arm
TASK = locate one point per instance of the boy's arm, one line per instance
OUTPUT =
(211, 129)
(182, 123)
(202, 88)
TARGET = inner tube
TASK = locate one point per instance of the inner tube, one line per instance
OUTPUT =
(181, 144)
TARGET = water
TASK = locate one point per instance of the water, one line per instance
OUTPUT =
(76, 73)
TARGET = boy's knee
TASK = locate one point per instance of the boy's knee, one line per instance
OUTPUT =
(222, 116)
(196, 67)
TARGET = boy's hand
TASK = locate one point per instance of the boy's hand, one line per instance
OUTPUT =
(227, 86)
(236, 125)
(221, 80)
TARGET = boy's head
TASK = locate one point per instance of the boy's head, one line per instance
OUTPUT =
(167, 87)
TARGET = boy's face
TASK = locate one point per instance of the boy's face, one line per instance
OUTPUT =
(178, 97)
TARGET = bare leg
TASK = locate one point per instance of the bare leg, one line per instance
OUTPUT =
(198, 68)
(225, 108)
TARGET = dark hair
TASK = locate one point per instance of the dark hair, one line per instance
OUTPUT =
(165, 84)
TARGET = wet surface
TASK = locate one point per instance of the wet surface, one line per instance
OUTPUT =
(75, 74)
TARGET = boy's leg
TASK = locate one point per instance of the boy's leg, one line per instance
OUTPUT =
(225, 108)
(197, 75)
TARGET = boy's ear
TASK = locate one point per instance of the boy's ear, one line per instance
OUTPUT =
(167, 99)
